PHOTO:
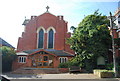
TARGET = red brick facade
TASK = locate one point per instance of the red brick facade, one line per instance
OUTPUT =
(28, 63)
(116, 31)
(29, 39)
(116, 35)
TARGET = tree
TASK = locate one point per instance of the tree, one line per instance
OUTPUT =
(91, 38)
(8, 55)
(117, 42)
(73, 28)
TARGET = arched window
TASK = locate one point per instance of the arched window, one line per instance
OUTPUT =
(60, 60)
(40, 38)
(63, 59)
(22, 59)
(50, 38)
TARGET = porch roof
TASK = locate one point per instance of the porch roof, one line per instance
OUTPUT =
(21, 53)
(51, 51)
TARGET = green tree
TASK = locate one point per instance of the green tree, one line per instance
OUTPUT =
(8, 55)
(91, 38)
(73, 28)
(117, 42)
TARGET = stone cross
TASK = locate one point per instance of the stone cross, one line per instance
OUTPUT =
(47, 8)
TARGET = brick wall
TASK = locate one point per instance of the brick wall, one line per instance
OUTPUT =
(16, 64)
(28, 40)
(28, 63)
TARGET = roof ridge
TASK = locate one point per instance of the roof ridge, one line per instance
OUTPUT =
(3, 42)
(68, 52)
(46, 13)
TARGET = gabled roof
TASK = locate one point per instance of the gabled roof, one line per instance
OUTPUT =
(51, 51)
(4, 43)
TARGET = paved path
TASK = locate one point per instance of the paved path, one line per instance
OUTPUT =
(69, 76)
(65, 80)
(53, 77)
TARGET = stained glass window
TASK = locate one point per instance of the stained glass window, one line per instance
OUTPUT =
(45, 58)
(50, 39)
(41, 38)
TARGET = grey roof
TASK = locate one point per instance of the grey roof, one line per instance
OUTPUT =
(58, 52)
(4, 43)
(52, 51)
(31, 51)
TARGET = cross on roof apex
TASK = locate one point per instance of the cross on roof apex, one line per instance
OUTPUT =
(47, 8)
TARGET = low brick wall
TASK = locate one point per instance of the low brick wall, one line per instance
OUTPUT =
(63, 70)
(40, 71)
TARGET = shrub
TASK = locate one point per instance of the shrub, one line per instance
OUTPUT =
(119, 70)
(8, 55)
(109, 66)
(75, 62)
(72, 62)
(63, 65)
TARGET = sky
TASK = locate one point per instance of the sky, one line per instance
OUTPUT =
(13, 13)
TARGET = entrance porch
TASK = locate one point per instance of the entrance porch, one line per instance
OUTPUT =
(41, 58)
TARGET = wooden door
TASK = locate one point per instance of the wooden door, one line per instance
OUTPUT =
(40, 61)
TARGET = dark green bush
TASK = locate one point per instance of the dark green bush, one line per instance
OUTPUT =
(8, 55)
(109, 66)
(75, 62)
(63, 65)
(118, 60)
(119, 70)
(72, 62)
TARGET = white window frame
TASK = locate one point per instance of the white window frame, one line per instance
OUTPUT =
(63, 59)
(22, 59)
(54, 31)
(38, 35)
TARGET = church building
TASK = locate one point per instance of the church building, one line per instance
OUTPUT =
(43, 42)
